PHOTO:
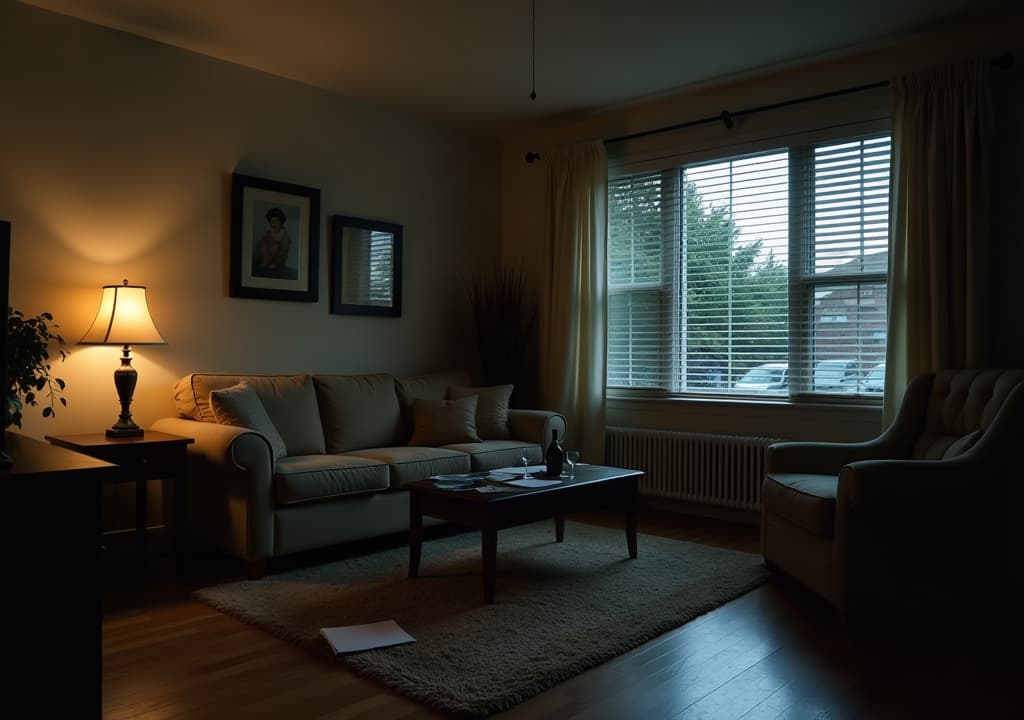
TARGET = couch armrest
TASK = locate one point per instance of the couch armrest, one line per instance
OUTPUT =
(229, 492)
(536, 425)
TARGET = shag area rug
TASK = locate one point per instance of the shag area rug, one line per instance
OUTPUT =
(559, 608)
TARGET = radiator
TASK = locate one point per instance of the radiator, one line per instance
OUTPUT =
(722, 470)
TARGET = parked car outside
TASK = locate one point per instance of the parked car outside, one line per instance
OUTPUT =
(836, 376)
(875, 381)
(768, 377)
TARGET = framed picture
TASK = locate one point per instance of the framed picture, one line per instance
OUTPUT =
(275, 240)
(366, 267)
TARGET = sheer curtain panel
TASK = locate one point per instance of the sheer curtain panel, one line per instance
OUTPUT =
(573, 297)
(941, 298)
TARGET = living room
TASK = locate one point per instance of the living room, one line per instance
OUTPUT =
(118, 164)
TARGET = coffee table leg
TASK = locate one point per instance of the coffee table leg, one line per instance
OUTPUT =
(559, 528)
(631, 503)
(415, 533)
(489, 551)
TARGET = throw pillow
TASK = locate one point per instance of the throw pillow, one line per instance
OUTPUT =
(291, 403)
(491, 409)
(444, 422)
(240, 405)
(962, 445)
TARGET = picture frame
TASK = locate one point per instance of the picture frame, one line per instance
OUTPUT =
(275, 240)
(365, 267)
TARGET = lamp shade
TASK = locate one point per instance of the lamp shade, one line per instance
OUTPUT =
(123, 319)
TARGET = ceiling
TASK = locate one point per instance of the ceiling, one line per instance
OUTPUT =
(467, 63)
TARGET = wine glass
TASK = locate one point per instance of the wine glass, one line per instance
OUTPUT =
(572, 457)
(526, 464)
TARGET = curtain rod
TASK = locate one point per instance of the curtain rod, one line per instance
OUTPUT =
(726, 118)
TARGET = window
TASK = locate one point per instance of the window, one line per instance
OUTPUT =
(755, 274)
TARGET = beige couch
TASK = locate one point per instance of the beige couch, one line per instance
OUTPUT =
(330, 465)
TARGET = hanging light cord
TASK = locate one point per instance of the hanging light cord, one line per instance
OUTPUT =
(533, 54)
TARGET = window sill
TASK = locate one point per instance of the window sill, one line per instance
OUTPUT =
(805, 419)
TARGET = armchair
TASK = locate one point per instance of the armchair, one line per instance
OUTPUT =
(918, 518)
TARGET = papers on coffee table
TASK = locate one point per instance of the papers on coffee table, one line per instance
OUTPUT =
(532, 482)
(458, 481)
(506, 476)
(517, 470)
(349, 639)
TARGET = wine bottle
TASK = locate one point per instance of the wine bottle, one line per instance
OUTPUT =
(555, 456)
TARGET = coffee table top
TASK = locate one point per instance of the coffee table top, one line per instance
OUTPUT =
(584, 475)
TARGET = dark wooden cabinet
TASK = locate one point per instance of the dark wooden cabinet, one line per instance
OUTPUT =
(51, 604)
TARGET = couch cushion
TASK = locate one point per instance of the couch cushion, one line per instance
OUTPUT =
(192, 392)
(288, 399)
(492, 454)
(804, 499)
(429, 386)
(442, 422)
(359, 411)
(409, 464)
(291, 405)
(309, 478)
(240, 405)
(491, 409)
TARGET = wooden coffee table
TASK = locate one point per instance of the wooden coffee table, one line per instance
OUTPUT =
(593, 487)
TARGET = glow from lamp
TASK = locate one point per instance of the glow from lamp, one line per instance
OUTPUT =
(123, 319)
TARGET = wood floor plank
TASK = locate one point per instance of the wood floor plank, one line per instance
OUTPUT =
(776, 652)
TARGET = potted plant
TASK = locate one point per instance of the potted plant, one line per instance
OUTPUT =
(504, 316)
(29, 377)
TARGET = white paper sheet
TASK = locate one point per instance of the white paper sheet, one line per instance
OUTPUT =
(532, 482)
(517, 470)
(349, 639)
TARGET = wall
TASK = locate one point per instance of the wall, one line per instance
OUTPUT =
(117, 156)
(523, 189)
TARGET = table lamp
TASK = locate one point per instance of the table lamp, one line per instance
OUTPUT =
(123, 319)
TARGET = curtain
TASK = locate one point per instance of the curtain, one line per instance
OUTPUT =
(573, 309)
(941, 289)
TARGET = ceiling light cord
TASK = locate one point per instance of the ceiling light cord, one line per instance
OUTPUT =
(533, 53)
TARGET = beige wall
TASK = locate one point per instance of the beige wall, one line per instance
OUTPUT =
(116, 161)
(523, 198)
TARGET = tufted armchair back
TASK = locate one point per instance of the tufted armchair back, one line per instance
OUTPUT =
(961, 406)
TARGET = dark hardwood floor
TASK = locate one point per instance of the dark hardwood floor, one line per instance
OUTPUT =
(776, 652)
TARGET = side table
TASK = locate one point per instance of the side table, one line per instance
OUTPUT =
(153, 456)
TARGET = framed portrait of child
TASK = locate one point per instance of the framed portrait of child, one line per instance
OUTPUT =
(275, 239)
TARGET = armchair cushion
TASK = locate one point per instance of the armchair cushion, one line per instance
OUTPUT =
(804, 499)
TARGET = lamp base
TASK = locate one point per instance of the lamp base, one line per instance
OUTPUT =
(125, 431)
(125, 378)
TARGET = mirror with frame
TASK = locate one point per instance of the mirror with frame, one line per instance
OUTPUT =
(366, 267)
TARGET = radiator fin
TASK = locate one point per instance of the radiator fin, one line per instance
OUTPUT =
(721, 470)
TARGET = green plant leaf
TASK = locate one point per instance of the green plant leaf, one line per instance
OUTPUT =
(29, 344)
